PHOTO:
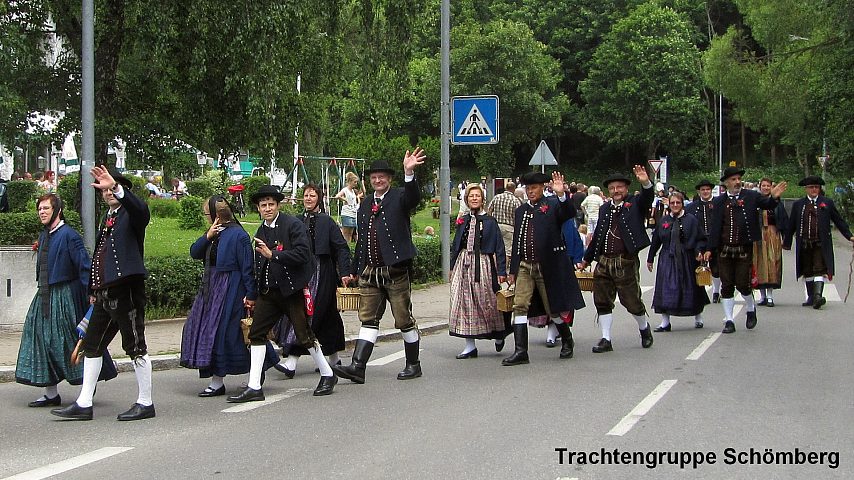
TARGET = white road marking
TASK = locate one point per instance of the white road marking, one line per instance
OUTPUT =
(245, 407)
(69, 464)
(831, 293)
(389, 358)
(642, 408)
(703, 346)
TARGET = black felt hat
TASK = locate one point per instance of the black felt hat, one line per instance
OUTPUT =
(533, 178)
(267, 191)
(811, 180)
(617, 177)
(730, 171)
(379, 166)
(704, 183)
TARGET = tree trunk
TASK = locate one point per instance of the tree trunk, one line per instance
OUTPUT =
(627, 159)
(773, 154)
(743, 145)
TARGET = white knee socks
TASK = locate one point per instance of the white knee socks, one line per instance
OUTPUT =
(605, 322)
(551, 335)
(469, 346)
(729, 304)
(369, 334)
(257, 354)
(642, 323)
(142, 369)
(216, 383)
(749, 303)
(291, 362)
(665, 320)
(716, 285)
(410, 336)
(320, 361)
(50, 392)
(333, 359)
(520, 320)
(91, 372)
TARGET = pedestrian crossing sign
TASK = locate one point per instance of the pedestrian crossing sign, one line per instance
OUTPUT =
(474, 120)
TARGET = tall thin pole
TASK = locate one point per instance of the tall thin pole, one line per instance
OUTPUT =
(296, 145)
(87, 117)
(720, 135)
(445, 112)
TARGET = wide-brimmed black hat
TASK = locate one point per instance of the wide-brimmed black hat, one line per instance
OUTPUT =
(267, 191)
(617, 177)
(379, 166)
(704, 183)
(533, 178)
(811, 180)
(123, 181)
(730, 171)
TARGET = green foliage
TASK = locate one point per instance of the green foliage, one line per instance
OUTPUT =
(173, 281)
(69, 190)
(191, 216)
(643, 87)
(845, 202)
(427, 266)
(200, 187)
(21, 194)
(164, 208)
(250, 187)
(24, 228)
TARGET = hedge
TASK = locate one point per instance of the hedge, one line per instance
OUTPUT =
(173, 281)
(250, 187)
(164, 208)
(24, 228)
(191, 216)
(20, 193)
(200, 187)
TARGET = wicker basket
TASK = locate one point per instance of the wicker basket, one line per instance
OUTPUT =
(347, 299)
(585, 280)
(704, 275)
(504, 300)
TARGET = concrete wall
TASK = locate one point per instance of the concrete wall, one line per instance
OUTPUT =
(17, 283)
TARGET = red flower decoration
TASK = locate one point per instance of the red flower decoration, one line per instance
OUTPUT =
(375, 208)
(36, 246)
(665, 225)
(822, 205)
(544, 208)
(711, 206)
(110, 222)
(627, 204)
(740, 202)
(460, 221)
(280, 247)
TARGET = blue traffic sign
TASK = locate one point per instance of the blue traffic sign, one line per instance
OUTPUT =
(474, 120)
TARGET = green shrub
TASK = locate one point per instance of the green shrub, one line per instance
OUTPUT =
(24, 228)
(200, 187)
(250, 187)
(164, 208)
(69, 191)
(427, 265)
(191, 217)
(20, 194)
(138, 186)
(173, 281)
(844, 198)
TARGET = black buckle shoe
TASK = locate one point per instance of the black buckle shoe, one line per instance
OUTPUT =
(73, 412)
(763, 303)
(751, 320)
(212, 393)
(729, 327)
(770, 303)
(567, 347)
(287, 371)
(46, 402)
(469, 354)
(325, 386)
(662, 329)
(499, 345)
(247, 395)
(716, 298)
(137, 412)
(603, 346)
(646, 337)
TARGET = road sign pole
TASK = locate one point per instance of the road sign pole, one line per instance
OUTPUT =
(445, 114)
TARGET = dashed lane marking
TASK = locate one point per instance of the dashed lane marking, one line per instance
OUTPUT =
(69, 464)
(641, 409)
(245, 407)
(705, 344)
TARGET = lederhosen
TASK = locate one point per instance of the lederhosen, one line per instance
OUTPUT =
(617, 272)
(735, 258)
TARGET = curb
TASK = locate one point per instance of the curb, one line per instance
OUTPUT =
(172, 360)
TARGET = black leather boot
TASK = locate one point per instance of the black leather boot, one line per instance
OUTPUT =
(520, 355)
(817, 300)
(810, 293)
(567, 344)
(355, 372)
(413, 366)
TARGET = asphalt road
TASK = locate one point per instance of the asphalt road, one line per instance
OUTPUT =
(785, 388)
